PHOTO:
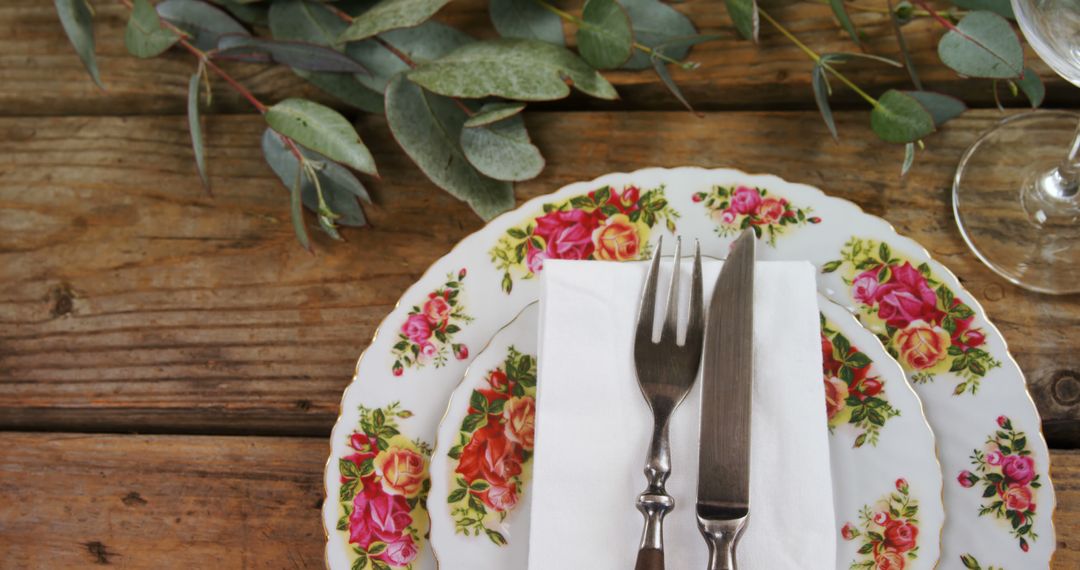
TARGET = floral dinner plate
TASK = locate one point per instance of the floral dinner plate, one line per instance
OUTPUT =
(886, 482)
(994, 461)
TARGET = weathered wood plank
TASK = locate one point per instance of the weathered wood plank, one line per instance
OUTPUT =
(129, 300)
(73, 501)
(40, 74)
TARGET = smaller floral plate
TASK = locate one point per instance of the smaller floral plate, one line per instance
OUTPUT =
(887, 483)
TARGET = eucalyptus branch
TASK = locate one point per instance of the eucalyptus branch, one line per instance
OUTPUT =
(817, 59)
(687, 65)
(874, 10)
(933, 14)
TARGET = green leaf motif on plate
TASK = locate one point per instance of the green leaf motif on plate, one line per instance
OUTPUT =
(322, 130)
(525, 70)
(900, 118)
(78, 23)
(605, 39)
(527, 20)
(390, 15)
(428, 127)
(145, 37)
(983, 44)
(502, 150)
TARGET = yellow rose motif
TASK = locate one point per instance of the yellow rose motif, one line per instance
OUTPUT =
(922, 345)
(401, 471)
(617, 239)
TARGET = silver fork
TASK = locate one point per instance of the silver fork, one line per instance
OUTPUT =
(665, 372)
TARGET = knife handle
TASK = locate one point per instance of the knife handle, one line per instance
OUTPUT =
(722, 536)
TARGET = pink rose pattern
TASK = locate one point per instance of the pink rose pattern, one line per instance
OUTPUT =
(427, 336)
(854, 394)
(385, 520)
(606, 223)
(1006, 472)
(921, 322)
(493, 456)
(735, 208)
(888, 531)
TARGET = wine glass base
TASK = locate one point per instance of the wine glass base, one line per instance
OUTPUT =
(1022, 233)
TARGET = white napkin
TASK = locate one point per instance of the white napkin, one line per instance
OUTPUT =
(593, 427)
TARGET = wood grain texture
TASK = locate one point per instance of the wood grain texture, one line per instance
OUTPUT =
(78, 501)
(131, 301)
(41, 75)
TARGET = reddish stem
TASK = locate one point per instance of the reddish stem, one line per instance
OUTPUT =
(941, 19)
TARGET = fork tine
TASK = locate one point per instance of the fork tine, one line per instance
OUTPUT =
(671, 313)
(647, 310)
(695, 328)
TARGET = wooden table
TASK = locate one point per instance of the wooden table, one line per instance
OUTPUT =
(171, 364)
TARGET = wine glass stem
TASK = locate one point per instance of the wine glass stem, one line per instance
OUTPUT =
(1070, 167)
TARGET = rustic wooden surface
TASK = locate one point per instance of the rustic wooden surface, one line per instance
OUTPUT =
(132, 302)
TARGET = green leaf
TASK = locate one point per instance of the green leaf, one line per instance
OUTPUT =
(502, 150)
(744, 14)
(899, 118)
(340, 187)
(842, 16)
(604, 37)
(428, 127)
(346, 88)
(456, 495)
(820, 86)
(1032, 86)
(323, 130)
(145, 37)
(494, 112)
(660, 67)
(248, 12)
(894, 18)
(527, 20)
(941, 107)
(1000, 7)
(657, 24)
(495, 537)
(831, 266)
(909, 158)
(983, 44)
(390, 15)
(298, 55)
(343, 523)
(526, 70)
(195, 126)
(78, 22)
(203, 22)
(478, 401)
(844, 57)
(377, 564)
(428, 41)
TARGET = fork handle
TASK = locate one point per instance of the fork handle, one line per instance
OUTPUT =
(649, 559)
(655, 502)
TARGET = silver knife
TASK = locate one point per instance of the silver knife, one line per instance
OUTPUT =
(723, 502)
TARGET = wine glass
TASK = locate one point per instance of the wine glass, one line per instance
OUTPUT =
(1016, 194)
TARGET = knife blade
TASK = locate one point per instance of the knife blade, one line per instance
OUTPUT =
(723, 501)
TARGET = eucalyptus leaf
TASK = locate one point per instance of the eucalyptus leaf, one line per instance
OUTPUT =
(340, 187)
(426, 42)
(1000, 7)
(145, 37)
(842, 16)
(604, 38)
(820, 86)
(897, 26)
(78, 23)
(302, 20)
(526, 19)
(942, 107)
(502, 150)
(660, 67)
(299, 55)
(322, 130)
(204, 22)
(1032, 86)
(252, 13)
(493, 112)
(428, 127)
(526, 70)
(195, 126)
(844, 57)
(983, 44)
(390, 15)
(744, 14)
(909, 159)
(656, 23)
(900, 118)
